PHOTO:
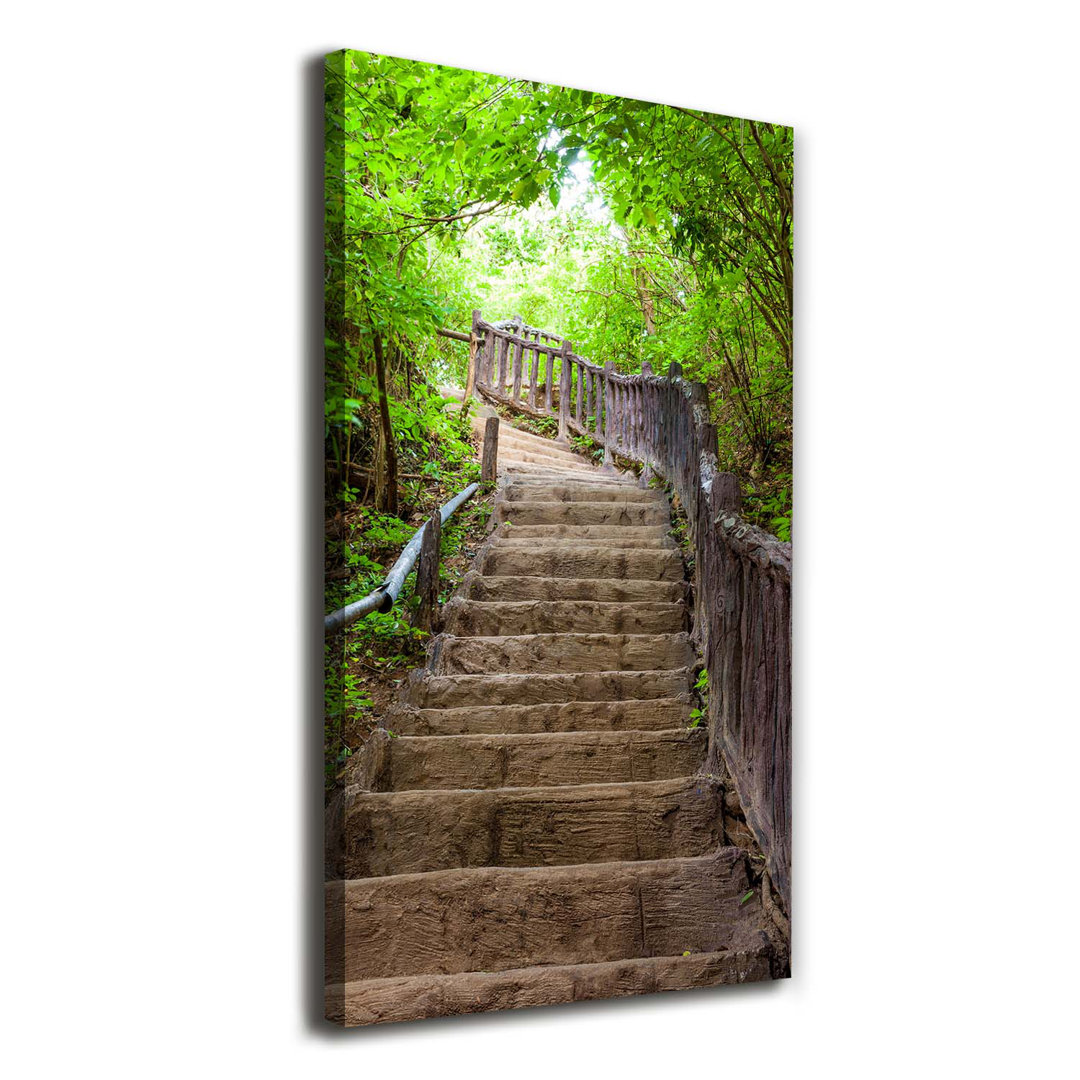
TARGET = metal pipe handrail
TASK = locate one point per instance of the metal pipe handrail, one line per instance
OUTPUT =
(382, 599)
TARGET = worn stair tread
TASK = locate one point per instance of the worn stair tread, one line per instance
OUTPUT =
(582, 560)
(549, 449)
(456, 762)
(650, 714)
(416, 997)
(544, 544)
(510, 587)
(604, 475)
(558, 653)
(569, 492)
(549, 471)
(462, 616)
(538, 457)
(496, 918)
(448, 691)
(551, 512)
(384, 833)
(582, 532)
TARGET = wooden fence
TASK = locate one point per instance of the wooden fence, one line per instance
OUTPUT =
(742, 574)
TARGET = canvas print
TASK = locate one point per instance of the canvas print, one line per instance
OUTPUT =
(558, 496)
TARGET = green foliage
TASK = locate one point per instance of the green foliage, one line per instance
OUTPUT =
(643, 233)
(770, 506)
(701, 688)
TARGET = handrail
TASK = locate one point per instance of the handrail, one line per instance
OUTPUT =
(382, 599)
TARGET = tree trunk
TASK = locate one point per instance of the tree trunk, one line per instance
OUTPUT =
(386, 493)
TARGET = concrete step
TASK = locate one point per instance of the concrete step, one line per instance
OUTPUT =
(538, 654)
(505, 538)
(582, 532)
(427, 763)
(539, 512)
(519, 469)
(512, 457)
(402, 832)
(494, 919)
(485, 618)
(417, 997)
(650, 714)
(429, 690)
(581, 561)
(477, 586)
(520, 490)
(514, 444)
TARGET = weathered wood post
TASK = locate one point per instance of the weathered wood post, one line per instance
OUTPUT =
(645, 444)
(533, 371)
(502, 346)
(609, 401)
(564, 391)
(519, 349)
(474, 359)
(550, 382)
(426, 616)
(490, 458)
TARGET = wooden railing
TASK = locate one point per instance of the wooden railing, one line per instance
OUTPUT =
(742, 574)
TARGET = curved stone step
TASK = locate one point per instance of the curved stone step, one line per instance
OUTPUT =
(558, 653)
(650, 714)
(514, 444)
(507, 539)
(530, 512)
(582, 532)
(582, 561)
(506, 458)
(599, 491)
(418, 997)
(557, 473)
(477, 586)
(494, 918)
(494, 618)
(457, 691)
(402, 832)
(456, 762)
(517, 444)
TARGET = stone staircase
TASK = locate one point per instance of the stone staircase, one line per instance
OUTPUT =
(540, 826)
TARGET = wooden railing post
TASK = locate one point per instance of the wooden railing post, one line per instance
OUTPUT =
(609, 402)
(503, 347)
(550, 374)
(519, 349)
(566, 375)
(489, 459)
(534, 364)
(487, 359)
(426, 616)
(474, 359)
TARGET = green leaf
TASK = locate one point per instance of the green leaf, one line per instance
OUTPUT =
(553, 194)
(746, 897)
(459, 151)
(650, 215)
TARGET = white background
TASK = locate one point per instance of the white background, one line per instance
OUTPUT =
(160, 231)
